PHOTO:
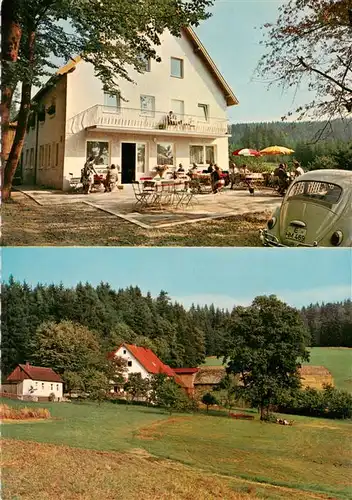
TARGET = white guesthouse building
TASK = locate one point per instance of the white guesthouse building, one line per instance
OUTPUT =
(34, 381)
(78, 119)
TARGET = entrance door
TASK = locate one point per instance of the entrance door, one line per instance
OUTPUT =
(128, 162)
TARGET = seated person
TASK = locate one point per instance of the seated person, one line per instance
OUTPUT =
(111, 179)
(180, 168)
(171, 118)
(298, 170)
(216, 180)
(284, 180)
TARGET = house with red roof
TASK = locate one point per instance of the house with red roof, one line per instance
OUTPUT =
(33, 381)
(144, 361)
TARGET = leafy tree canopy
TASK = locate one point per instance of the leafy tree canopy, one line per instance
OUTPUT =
(265, 344)
(310, 44)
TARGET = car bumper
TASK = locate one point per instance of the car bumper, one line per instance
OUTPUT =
(269, 240)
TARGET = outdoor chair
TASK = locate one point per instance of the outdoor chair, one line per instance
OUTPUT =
(143, 198)
(185, 197)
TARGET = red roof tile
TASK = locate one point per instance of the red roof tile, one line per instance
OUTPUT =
(185, 370)
(23, 372)
(149, 360)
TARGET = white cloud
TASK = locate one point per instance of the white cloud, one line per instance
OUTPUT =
(296, 298)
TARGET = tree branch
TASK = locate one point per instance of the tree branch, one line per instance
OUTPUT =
(324, 75)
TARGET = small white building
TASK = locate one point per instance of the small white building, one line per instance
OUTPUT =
(35, 381)
(77, 119)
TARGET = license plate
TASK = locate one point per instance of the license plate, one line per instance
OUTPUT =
(296, 234)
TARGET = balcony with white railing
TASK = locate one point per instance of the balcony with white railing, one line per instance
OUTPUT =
(147, 121)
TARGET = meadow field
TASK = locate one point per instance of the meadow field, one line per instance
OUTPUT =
(107, 451)
(338, 360)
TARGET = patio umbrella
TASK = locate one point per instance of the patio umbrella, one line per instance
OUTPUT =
(246, 152)
(276, 150)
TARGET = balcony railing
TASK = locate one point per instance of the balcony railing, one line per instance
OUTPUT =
(130, 119)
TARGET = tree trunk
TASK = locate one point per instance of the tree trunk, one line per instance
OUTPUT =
(10, 41)
(17, 145)
(262, 412)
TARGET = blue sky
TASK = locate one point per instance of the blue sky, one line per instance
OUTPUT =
(232, 38)
(225, 276)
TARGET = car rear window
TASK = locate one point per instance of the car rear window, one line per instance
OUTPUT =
(316, 190)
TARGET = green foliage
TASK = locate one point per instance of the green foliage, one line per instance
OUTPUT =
(170, 396)
(329, 324)
(228, 390)
(136, 387)
(264, 344)
(328, 403)
(209, 399)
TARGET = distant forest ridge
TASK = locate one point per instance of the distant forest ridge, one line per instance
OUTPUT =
(262, 134)
(180, 337)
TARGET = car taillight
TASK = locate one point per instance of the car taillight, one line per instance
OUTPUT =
(271, 222)
(336, 238)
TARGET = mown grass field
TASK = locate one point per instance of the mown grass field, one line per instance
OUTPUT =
(90, 451)
(338, 360)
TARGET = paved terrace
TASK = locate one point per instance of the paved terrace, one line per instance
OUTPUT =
(121, 203)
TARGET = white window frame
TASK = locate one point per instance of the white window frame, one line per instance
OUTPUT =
(100, 139)
(31, 158)
(109, 108)
(182, 67)
(173, 152)
(204, 146)
(147, 112)
(181, 115)
(145, 144)
(206, 113)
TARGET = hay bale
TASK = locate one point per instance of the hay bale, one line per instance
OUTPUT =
(315, 376)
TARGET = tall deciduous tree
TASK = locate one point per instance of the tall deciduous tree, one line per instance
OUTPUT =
(311, 43)
(265, 344)
(67, 346)
(111, 34)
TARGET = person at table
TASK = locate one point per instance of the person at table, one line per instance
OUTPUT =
(216, 180)
(180, 168)
(244, 171)
(210, 168)
(111, 179)
(233, 173)
(284, 180)
(298, 170)
(87, 176)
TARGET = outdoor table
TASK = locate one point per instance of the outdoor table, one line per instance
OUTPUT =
(168, 192)
(201, 183)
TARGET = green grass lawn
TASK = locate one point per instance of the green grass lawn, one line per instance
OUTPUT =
(312, 455)
(338, 360)
(86, 425)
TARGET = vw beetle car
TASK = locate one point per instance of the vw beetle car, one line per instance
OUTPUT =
(316, 211)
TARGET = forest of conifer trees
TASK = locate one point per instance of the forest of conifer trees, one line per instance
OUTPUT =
(179, 337)
(316, 144)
